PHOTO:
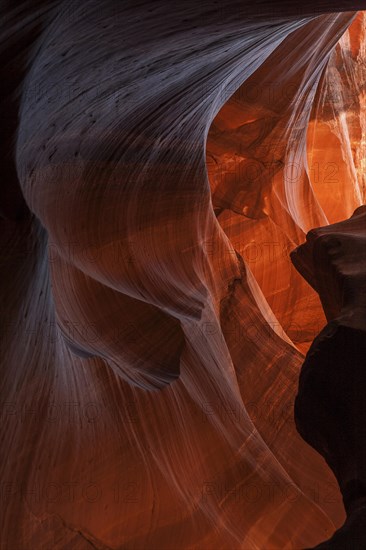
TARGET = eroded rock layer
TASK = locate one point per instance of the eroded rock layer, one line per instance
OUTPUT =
(330, 406)
(159, 166)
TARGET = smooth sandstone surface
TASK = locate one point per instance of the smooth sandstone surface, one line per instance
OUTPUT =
(161, 160)
(330, 405)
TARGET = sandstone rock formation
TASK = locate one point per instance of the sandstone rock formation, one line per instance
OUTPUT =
(330, 406)
(160, 161)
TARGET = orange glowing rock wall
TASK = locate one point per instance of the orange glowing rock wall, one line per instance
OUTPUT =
(154, 326)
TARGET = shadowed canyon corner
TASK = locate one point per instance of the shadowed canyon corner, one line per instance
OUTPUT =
(183, 275)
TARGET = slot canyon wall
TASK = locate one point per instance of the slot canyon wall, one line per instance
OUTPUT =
(160, 162)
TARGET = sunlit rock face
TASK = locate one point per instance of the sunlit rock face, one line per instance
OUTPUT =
(338, 120)
(161, 162)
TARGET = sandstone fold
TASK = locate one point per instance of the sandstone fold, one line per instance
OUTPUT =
(160, 162)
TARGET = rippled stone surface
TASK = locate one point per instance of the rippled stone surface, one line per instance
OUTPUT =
(157, 173)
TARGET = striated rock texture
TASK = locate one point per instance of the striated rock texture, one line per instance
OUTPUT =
(160, 161)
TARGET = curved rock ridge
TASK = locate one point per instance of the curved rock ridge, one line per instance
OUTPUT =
(333, 260)
(338, 172)
(156, 176)
(330, 405)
